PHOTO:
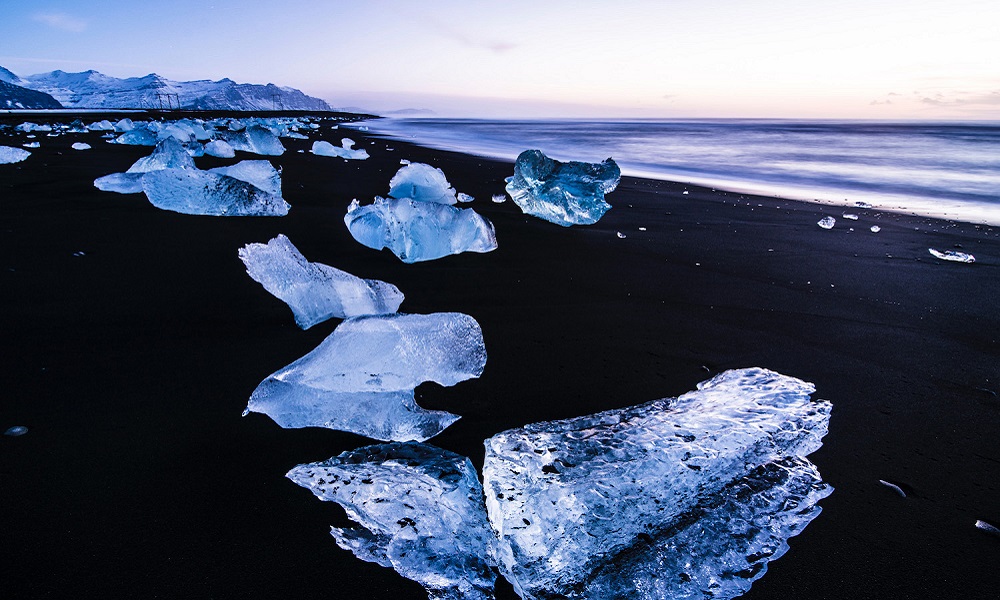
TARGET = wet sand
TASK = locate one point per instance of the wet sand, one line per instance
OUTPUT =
(131, 363)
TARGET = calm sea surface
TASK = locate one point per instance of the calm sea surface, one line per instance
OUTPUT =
(949, 169)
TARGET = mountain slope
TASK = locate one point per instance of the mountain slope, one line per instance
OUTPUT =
(91, 89)
(17, 97)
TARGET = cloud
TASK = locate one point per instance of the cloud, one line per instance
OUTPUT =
(449, 32)
(61, 21)
(964, 99)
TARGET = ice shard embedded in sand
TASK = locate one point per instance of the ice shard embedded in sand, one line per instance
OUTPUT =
(323, 148)
(699, 491)
(419, 231)
(315, 292)
(419, 510)
(196, 192)
(362, 376)
(566, 194)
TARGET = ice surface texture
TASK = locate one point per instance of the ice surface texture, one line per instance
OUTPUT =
(827, 222)
(256, 139)
(168, 154)
(10, 155)
(321, 148)
(570, 500)
(361, 378)
(315, 292)
(419, 231)
(563, 193)
(423, 183)
(952, 255)
(420, 511)
(248, 188)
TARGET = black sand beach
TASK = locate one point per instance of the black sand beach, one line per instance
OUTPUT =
(131, 364)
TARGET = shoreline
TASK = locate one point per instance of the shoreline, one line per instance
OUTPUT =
(131, 364)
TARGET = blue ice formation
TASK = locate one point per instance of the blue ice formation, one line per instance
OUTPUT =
(195, 192)
(419, 231)
(592, 507)
(220, 149)
(315, 292)
(361, 378)
(419, 510)
(423, 183)
(168, 154)
(255, 139)
(323, 148)
(9, 154)
(562, 193)
(138, 135)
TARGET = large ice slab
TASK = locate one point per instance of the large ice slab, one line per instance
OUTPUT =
(260, 173)
(566, 194)
(10, 155)
(315, 292)
(419, 231)
(324, 148)
(423, 183)
(168, 154)
(205, 193)
(220, 148)
(419, 511)
(570, 500)
(362, 376)
(256, 139)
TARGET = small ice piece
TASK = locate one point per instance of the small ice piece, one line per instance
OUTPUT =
(423, 183)
(104, 125)
(980, 525)
(893, 487)
(952, 255)
(685, 192)
(419, 510)
(862, 204)
(16, 430)
(621, 235)
(562, 193)
(642, 229)
(31, 145)
(122, 183)
(315, 292)
(124, 125)
(499, 198)
(323, 148)
(9, 154)
(137, 136)
(463, 197)
(403, 161)
(827, 222)
(573, 501)
(205, 193)
(80, 146)
(419, 231)
(220, 149)
(875, 229)
(850, 216)
(361, 378)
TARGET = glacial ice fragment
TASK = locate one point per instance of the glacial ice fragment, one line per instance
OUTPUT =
(562, 193)
(324, 148)
(9, 154)
(315, 292)
(571, 500)
(419, 510)
(80, 146)
(423, 183)
(988, 528)
(362, 376)
(419, 231)
(168, 154)
(851, 216)
(875, 229)
(893, 487)
(463, 197)
(260, 173)
(499, 198)
(220, 149)
(255, 139)
(31, 145)
(104, 125)
(952, 255)
(827, 222)
(139, 135)
(16, 430)
(196, 192)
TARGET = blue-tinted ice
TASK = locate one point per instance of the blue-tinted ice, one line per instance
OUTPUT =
(315, 292)
(566, 194)
(168, 154)
(195, 192)
(423, 183)
(419, 231)
(581, 505)
(361, 378)
(324, 148)
(419, 509)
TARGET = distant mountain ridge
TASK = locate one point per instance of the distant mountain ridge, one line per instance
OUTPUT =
(14, 95)
(91, 89)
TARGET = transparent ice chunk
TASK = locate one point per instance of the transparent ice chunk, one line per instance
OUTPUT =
(196, 192)
(419, 231)
(827, 222)
(362, 376)
(9, 155)
(324, 148)
(259, 173)
(423, 183)
(419, 510)
(315, 292)
(562, 193)
(574, 498)
(220, 149)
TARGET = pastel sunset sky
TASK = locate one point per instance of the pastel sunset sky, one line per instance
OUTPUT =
(884, 59)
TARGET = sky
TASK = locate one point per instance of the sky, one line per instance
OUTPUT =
(882, 59)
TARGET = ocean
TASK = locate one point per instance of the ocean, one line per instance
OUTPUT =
(941, 169)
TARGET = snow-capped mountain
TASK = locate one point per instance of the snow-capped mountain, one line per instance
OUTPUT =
(91, 89)
(14, 96)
